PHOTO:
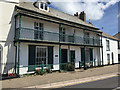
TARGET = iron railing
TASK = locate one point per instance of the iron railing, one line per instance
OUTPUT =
(33, 34)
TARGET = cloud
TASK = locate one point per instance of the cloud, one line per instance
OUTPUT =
(93, 8)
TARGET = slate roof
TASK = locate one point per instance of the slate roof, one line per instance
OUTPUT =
(109, 36)
(54, 13)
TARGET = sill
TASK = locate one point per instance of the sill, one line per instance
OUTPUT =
(107, 50)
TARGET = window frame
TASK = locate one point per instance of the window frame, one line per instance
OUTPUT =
(44, 6)
(39, 28)
(39, 57)
(108, 46)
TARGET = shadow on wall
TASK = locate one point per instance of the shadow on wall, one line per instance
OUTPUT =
(9, 63)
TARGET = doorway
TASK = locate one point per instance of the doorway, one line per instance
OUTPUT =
(72, 56)
(112, 58)
(63, 58)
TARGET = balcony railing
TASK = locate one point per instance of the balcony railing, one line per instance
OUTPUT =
(33, 34)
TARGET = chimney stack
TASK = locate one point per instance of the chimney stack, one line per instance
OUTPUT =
(81, 16)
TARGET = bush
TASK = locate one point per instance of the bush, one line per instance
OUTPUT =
(48, 70)
(70, 67)
(39, 72)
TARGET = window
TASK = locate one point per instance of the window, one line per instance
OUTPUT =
(46, 6)
(41, 55)
(38, 33)
(108, 58)
(62, 34)
(43, 6)
(107, 45)
(86, 38)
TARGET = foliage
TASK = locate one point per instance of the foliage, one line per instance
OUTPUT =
(39, 72)
(70, 67)
(48, 70)
(12, 75)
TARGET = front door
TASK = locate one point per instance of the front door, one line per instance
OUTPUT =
(112, 58)
(72, 56)
(63, 58)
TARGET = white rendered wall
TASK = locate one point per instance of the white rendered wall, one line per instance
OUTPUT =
(113, 48)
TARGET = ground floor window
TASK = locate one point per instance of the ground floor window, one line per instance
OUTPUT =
(108, 58)
(41, 55)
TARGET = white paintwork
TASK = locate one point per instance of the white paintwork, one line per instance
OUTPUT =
(113, 48)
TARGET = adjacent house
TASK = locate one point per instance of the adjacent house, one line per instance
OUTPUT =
(110, 49)
(118, 36)
(33, 34)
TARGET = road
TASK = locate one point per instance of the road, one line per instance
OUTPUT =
(105, 83)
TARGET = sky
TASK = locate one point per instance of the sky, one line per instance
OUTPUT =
(102, 13)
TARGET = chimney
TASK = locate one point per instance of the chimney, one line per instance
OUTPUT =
(76, 14)
(82, 16)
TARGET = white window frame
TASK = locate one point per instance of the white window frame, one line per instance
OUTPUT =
(107, 46)
(46, 53)
(43, 6)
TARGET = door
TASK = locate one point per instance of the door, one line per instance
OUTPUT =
(31, 61)
(82, 54)
(72, 56)
(63, 58)
(112, 58)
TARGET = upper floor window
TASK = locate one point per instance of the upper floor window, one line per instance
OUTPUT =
(38, 33)
(43, 6)
(62, 34)
(107, 45)
(86, 37)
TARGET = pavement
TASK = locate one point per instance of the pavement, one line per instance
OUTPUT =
(64, 77)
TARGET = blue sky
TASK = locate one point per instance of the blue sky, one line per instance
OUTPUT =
(109, 21)
(102, 13)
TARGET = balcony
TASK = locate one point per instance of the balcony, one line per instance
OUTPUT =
(36, 35)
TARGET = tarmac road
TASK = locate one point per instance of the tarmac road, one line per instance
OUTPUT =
(112, 82)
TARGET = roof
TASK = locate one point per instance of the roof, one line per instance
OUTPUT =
(55, 13)
(109, 36)
(117, 35)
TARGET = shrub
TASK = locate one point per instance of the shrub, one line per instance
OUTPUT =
(70, 67)
(39, 72)
(48, 70)
(12, 75)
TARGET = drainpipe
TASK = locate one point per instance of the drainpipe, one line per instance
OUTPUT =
(102, 50)
(84, 57)
(59, 46)
(19, 44)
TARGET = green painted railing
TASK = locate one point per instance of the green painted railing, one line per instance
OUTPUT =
(33, 34)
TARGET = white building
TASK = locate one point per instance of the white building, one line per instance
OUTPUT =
(33, 32)
(110, 49)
